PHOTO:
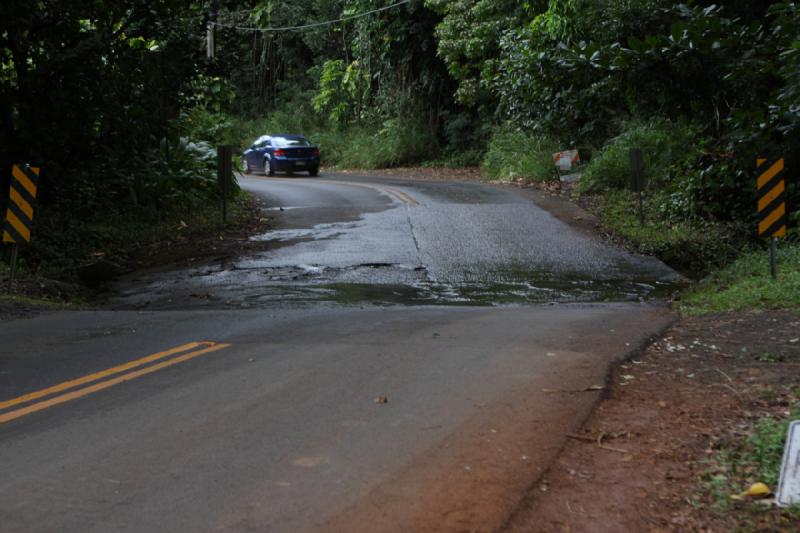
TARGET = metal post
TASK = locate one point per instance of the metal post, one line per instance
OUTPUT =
(210, 41)
(13, 272)
(773, 260)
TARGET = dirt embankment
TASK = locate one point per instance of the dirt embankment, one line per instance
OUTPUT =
(640, 462)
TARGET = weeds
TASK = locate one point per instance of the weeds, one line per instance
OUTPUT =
(61, 244)
(513, 154)
(769, 357)
(692, 247)
(754, 458)
(664, 144)
(746, 283)
(395, 142)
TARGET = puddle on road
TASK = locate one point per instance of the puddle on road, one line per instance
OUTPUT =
(383, 284)
(466, 294)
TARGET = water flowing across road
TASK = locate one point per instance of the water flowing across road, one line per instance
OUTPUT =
(347, 240)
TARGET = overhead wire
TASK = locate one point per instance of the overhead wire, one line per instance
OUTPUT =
(307, 26)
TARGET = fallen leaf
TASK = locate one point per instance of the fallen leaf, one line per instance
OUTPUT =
(756, 491)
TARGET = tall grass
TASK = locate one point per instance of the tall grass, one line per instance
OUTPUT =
(398, 141)
(513, 154)
(665, 145)
(746, 284)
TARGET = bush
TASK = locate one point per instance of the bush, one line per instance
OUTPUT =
(398, 141)
(692, 246)
(666, 146)
(209, 126)
(513, 154)
(746, 284)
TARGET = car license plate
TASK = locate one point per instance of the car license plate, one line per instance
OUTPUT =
(300, 163)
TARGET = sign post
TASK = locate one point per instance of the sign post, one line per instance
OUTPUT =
(788, 492)
(637, 181)
(19, 215)
(224, 176)
(771, 205)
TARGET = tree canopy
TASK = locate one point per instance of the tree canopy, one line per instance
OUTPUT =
(97, 93)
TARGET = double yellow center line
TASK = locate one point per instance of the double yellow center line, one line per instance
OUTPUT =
(83, 386)
(397, 194)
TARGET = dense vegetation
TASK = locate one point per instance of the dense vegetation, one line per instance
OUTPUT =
(120, 106)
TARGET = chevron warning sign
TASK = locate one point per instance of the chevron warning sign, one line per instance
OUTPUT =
(771, 198)
(21, 201)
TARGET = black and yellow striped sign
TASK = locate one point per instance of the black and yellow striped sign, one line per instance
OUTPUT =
(21, 201)
(771, 198)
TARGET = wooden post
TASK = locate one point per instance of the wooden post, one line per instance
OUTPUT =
(224, 176)
(637, 182)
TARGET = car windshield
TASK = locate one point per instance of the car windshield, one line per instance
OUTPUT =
(288, 142)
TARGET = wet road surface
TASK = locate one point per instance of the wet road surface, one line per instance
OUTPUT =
(351, 240)
(406, 356)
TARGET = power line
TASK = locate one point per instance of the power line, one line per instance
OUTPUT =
(307, 26)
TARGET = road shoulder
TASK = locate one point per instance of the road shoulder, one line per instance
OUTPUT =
(649, 456)
(475, 478)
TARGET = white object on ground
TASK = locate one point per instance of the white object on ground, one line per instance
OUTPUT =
(788, 492)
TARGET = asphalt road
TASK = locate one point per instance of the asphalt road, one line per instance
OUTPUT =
(344, 239)
(292, 402)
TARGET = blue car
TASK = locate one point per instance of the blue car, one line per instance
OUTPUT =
(281, 153)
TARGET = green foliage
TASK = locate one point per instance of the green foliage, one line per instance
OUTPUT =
(212, 127)
(210, 92)
(691, 246)
(747, 284)
(395, 142)
(563, 19)
(468, 41)
(342, 91)
(667, 59)
(332, 98)
(666, 146)
(769, 357)
(731, 70)
(785, 109)
(513, 154)
(62, 244)
(754, 458)
(718, 84)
